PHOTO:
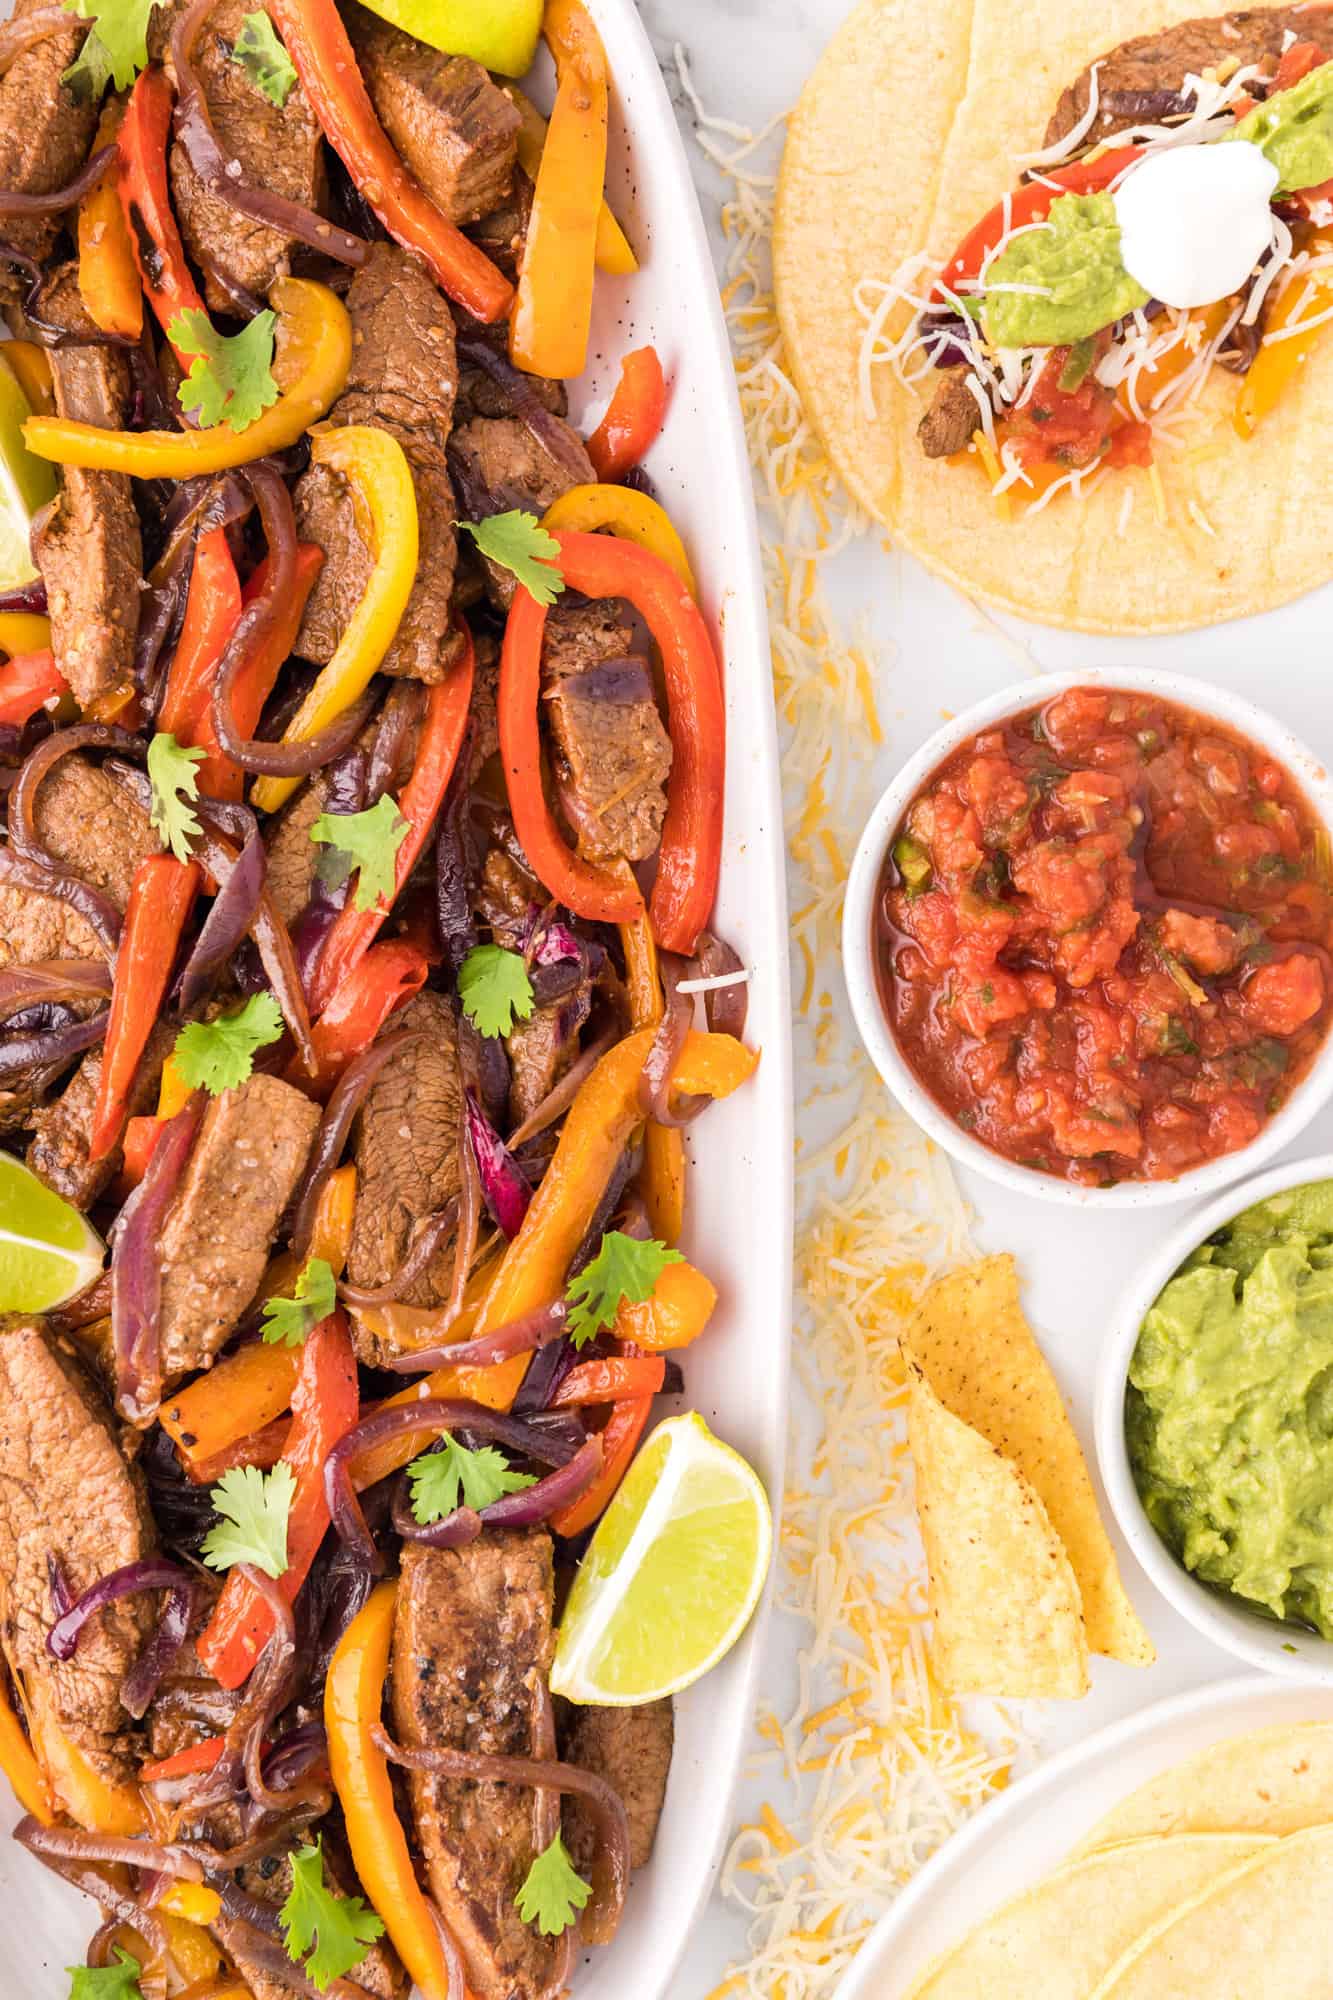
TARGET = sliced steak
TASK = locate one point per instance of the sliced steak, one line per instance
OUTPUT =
(454, 128)
(631, 1748)
(407, 1155)
(403, 379)
(242, 1172)
(292, 854)
(1137, 82)
(62, 1132)
(67, 1490)
(278, 146)
(45, 130)
(612, 754)
(497, 464)
(471, 1654)
(87, 543)
(950, 421)
(542, 1048)
(91, 825)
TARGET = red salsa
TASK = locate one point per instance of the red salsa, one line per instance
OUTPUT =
(1103, 937)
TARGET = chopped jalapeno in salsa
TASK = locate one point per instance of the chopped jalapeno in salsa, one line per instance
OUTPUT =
(1109, 957)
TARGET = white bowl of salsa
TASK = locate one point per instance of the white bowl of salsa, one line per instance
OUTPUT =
(1088, 934)
(1225, 1425)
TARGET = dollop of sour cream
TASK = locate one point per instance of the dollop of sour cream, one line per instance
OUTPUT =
(1195, 220)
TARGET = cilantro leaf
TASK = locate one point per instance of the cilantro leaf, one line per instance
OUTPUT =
(335, 1930)
(520, 544)
(106, 1982)
(552, 1891)
(453, 1476)
(264, 59)
(495, 989)
(287, 1322)
(114, 51)
(231, 376)
(254, 1506)
(219, 1055)
(172, 775)
(625, 1267)
(366, 841)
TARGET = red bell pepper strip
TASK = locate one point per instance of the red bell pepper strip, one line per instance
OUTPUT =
(441, 738)
(161, 895)
(620, 1439)
(137, 1147)
(691, 851)
(383, 980)
(258, 674)
(633, 417)
(318, 44)
(184, 1763)
(262, 1448)
(211, 610)
(145, 196)
(611, 1380)
(1031, 203)
(27, 682)
(324, 1407)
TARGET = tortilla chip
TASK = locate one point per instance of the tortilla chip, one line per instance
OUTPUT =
(973, 1345)
(904, 137)
(1262, 1929)
(1059, 1938)
(1277, 1780)
(1003, 1594)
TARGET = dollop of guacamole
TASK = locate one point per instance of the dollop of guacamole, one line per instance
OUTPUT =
(1295, 131)
(1229, 1408)
(1078, 276)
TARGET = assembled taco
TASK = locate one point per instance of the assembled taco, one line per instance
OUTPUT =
(1057, 302)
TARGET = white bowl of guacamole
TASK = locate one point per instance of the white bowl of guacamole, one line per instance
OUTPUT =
(1215, 1419)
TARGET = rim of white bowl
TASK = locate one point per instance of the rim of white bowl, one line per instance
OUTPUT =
(1246, 1635)
(858, 950)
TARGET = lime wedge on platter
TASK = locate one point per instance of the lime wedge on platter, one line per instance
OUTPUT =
(500, 34)
(48, 1251)
(26, 483)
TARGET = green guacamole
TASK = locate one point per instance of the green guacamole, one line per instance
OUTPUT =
(1076, 266)
(1229, 1409)
(1295, 131)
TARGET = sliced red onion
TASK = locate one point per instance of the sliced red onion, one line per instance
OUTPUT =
(520, 1336)
(26, 596)
(14, 202)
(724, 1006)
(266, 1692)
(223, 175)
(60, 1849)
(344, 787)
(398, 718)
(427, 1237)
(98, 911)
(26, 1052)
(551, 432)
(504, 1185)
(660, 1062)
(51, 979)
(23, 838)
(293, 1755)
(270, 935)
(527, 1509)
(151, 1573)
(76, 1843)
(544, 1377)
(349, 1093)
(233, 912)
(136, 1275)
(455, 863)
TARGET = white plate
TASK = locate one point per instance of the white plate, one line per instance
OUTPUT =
(739, 1192)
(1015, 1843)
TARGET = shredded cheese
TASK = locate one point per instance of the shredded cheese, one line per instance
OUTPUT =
(872, 1765)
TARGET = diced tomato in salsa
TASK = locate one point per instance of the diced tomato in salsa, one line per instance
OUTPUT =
(1104, 937)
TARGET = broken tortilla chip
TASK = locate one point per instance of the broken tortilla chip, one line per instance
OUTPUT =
(1003, 1593)
(971, 1343)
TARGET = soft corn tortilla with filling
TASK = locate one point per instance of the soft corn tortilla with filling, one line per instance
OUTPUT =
(904, 137)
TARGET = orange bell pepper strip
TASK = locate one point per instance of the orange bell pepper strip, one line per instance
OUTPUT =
(610, 1379)
(442, 732)
(108, 275)
(680, 1308)
(212, 608)
(625, 511)
(614, 254)
(353, 1699)
(691, 851)
(1285, 351)
(28, 682)
(662, 1179)
(32, 365)
(381, 982)
(101, 1804)
(26, 1777)
(145, 200)
(1199, 331)
(620, 1441)
(324, 1407)
(552, 315)
(23, 631)
(162, 894)
(321, 49)
(633, 416)
(262, 1448)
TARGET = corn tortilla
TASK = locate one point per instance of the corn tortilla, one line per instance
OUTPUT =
(971, 1342)
(904, 136)
(1277, 1780)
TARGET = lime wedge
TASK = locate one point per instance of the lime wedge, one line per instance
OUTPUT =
(26, 483)
(500, 34)
(672, 1574)
(48, 1251)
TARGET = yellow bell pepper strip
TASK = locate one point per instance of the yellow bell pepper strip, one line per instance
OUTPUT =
(679, 1309)
(634, 516)
(24, 1773)
(321, 49)
(375, 467)
(24, 631)
(1278, 363)
(310, 364)
(108, 275)
(32, 365)
(193, 1902)
(614, 255)
(353, 1699)
(662, 1178)
(549, 326)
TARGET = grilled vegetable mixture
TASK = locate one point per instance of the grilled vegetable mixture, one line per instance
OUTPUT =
(362, 746)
